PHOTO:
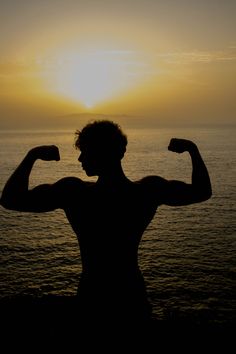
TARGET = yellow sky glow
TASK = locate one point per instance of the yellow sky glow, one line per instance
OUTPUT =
(171, 61)
(92, 77)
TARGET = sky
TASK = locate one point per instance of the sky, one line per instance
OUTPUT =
(163, 62)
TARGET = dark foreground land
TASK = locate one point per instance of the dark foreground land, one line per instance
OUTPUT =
(54, 320)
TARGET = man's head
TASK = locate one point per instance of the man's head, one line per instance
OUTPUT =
(102, 144)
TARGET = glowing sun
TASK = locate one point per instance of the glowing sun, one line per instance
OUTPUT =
(95, 76)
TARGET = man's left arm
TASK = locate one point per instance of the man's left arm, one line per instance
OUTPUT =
(16, 194)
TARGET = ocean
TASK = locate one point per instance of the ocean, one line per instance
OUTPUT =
(187, 254)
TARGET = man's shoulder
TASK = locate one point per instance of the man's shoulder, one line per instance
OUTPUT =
(152, 180)
(154, 187)
(73, 182)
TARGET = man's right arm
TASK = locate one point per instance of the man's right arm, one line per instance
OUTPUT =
(177, 193)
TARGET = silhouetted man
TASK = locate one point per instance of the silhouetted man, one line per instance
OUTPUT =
(108, 216)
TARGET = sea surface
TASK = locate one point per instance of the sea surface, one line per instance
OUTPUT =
(187, 254)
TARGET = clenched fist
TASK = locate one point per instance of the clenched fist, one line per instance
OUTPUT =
(46, 153)
(181, 145)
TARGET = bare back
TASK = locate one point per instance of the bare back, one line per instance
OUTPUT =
(109, 223)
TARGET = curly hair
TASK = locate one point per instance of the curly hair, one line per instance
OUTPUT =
(104, 136)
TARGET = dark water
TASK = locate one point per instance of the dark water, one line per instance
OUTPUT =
(187, 254)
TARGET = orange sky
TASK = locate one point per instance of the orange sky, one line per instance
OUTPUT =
(166, 62)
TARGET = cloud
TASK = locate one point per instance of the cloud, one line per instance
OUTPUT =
(10, 69)
(196, 56)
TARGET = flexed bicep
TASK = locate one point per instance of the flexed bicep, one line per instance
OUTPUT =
(48, 197)
(178, 193)
(43, 198)
(172, 192)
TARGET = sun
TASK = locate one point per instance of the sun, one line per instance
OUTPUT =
(93, 77)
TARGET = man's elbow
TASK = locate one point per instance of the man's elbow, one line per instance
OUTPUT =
(9, 204)
(205, 195)
(5, 204)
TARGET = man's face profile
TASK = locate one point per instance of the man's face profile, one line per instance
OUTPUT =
(93, 161)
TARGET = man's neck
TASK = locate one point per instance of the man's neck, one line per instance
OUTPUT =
(112, 176)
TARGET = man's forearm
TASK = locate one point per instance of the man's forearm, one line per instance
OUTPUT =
(18, 183)
(200, 177)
